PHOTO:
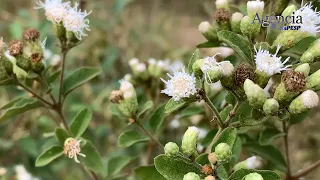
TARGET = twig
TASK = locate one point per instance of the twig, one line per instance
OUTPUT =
(64, 54)
(232, 113)
(160, 146)
(35, 94)
(94, 175)
(213, 109)
(306, 171)
(285, 137)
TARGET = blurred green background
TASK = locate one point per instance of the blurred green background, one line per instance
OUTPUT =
(120, 30)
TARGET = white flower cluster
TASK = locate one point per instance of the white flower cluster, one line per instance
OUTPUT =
(311, 19)
(269, 63)
(180, 85)
(72, 18)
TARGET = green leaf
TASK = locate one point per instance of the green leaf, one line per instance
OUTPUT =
(228, 136)
(49, 155)
(130, 137)
(93, 159)
(18, 106)
(252, 121)
(238, 43)
(116, 164)
(236, 150)
(148, 172)
(268, 135)
(222, 173)
(80, 123)
(148, 105)
(194, 57)
(174, 168)
(202, 159)
(61, 135)
(297, 118)
(266, 174)
(207, 140)
(113, 108)
(225, 112)
(208, 44)
(173, 106)
(78, 78)
(157, 118)
(53, 77)
(190, 111)
(270, 153)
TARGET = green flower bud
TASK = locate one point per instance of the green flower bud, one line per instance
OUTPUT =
(262, 78)
(289, 10)
(222, 4)
(271, 106)
(7, 63)
(208, 31)
(36, 62)
(248, 28)
(152, 67)
(72, 39)
(307, 100)
(223, 152)
(289, 38)
(254, 162)
(212, 158)
(313, 81)
(196, 67)
(312, 53)
(255, 7)
(282, 95)
(129, 105)
(228, 71)
(189, 141)
(253, 176)
(255, 94)
(222, 17)
(3, 73)
(236, 21)
(59, 31)
(171, 149)
(214, 74)
(19, 72)
(304, 68)
(191, 176)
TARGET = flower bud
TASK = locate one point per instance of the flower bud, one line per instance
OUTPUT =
(236, 21)
(141, 71)
(289, 10)
(36, 62)
(6, 62)
(196, 67)
(72, 39)
(304, 68)
(249, 28)
(171, 149)
(253, 162)
(191, 176)
(214, 74)
(312, 53)
(271, 106)
(116, 96)
(313, 81)
(16, 50)
(223, 152)
(189, 141)
(282, 95)
(210, 178)
(253, 176)
(307, 100)
(262, 78)
(289, 38)
(222, 4)
(152, 66)
(228, 70)
(212, 158)
(208, 31)
(3, 73)
(255, 94)
(129, 105)
(222, 17)
(255, 7)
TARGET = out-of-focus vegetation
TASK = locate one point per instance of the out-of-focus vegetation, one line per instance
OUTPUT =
(120, 30)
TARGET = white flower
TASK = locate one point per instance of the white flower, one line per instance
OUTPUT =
(127, 89)
(133, 62)
(204, 26)
(310, 99)
(268, 87)
(227, 68)
(254, 7)
(55, 10)
(76, 22)
(23, 174)
(208, 64)
(180, 85)
(72, 149)
(254, 162)
(141, 67)
(127, 77)
(236, 17)
(310, 19)
(221, 3)
(269, 63)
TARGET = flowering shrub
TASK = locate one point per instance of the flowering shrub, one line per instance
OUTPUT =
(253, 89)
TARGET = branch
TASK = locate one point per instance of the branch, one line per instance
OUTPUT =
(64, 54)
(285, 137)
(35, 94)
(306, 171)
(213, 109)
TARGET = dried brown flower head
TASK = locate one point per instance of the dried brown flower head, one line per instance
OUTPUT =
(116, 96)
(15, 47)
(221, 15)
(31, 34)
(293, 81)
(243, 72)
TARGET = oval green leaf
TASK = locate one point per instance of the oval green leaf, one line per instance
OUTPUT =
(49, 155)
